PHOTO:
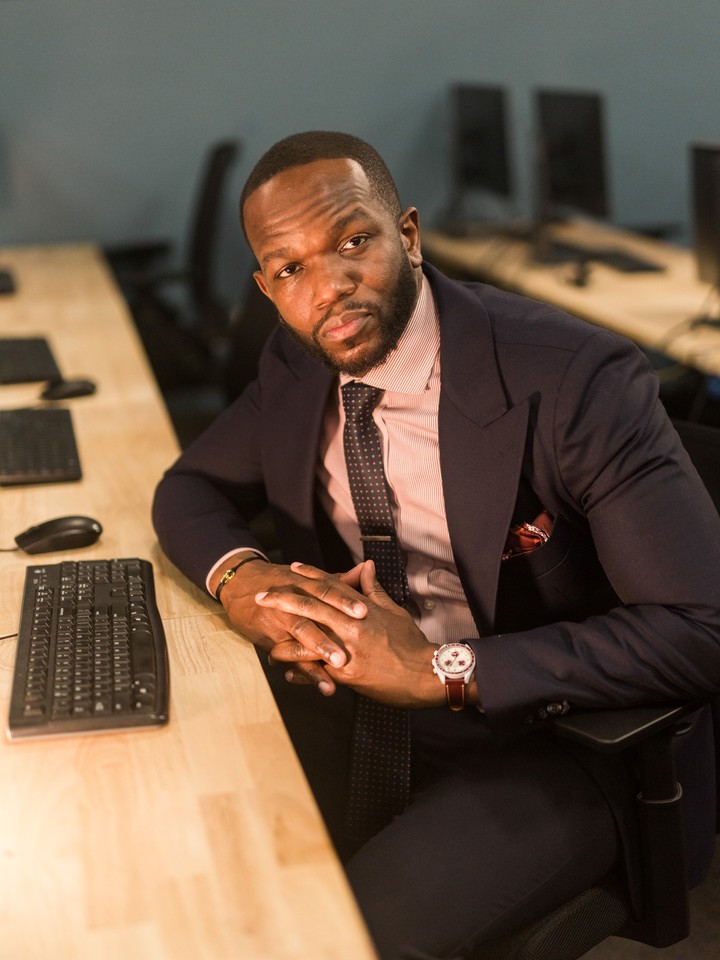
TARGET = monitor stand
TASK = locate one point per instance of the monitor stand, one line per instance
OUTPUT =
(707, 319)
(467, 227)
(474, 215)
(549, 251)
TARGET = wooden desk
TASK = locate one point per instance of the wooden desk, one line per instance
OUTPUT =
(653, 309)
(199, 841)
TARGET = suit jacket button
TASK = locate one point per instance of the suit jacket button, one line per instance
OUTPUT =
(558, 709)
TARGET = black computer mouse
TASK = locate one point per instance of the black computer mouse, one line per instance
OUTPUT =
(62, 533)
(68, 389)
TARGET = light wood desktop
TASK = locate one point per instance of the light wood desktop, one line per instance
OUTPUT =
(196, 841)
(653, 309)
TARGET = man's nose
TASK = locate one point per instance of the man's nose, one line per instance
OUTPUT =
(334, 280)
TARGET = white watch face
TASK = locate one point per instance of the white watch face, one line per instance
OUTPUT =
(455, 659)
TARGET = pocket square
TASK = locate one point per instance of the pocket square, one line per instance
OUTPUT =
(526, 537)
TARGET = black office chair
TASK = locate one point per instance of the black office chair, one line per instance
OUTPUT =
(183, 335)
(702, 443)
(251, 322)
(250, 325)
(604, 910)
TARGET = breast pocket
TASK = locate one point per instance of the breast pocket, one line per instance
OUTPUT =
(562, 579)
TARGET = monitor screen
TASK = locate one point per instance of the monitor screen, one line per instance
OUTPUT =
(479, 140)
(571, 173)
(705, 192)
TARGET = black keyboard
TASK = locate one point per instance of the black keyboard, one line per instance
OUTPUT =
(37, 446)
(27, 360)
(91, 653)
(628, 262)
(7, 282)
(558, 251)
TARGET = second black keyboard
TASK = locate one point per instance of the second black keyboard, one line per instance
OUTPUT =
(27, 360)
(37, 446)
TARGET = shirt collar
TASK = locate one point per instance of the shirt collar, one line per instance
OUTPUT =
(408, 367)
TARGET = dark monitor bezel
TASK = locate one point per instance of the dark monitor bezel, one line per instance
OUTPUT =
(571, 121)
(704, 164)
(474, 169)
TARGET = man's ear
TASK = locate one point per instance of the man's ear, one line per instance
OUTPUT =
(409, 225)
(260, 281)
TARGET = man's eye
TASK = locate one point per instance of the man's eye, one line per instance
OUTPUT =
(354, 242)
(288, 271)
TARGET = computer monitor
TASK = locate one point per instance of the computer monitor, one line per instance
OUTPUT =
(480, 168)
(570, 171)
(705, 193)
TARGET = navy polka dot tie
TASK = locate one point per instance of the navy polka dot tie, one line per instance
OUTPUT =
(380, 766)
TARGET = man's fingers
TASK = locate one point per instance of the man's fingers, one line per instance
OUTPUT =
(352, 577)
(371, 587)
(299, 651)
(311, 615)
(331, 590)
(307, 570)
(311, 674)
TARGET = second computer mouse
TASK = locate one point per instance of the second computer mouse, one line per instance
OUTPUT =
(61, 533)
(68, 389)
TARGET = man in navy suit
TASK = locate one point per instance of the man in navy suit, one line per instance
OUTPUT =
(551, 527)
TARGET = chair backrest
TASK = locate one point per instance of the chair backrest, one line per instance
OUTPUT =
(251, 325)
(204, 229)
(702, 443)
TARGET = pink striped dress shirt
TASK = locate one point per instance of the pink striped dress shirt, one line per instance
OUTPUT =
(407, 418)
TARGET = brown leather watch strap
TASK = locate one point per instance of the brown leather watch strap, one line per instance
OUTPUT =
(455, 694)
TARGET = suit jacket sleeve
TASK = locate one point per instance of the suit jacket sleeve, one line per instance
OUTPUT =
(615, 458)
(206, 500)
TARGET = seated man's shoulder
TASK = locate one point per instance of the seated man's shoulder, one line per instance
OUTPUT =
(523, 328)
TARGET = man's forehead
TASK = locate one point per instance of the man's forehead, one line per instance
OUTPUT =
(292, 199)
(320, 176)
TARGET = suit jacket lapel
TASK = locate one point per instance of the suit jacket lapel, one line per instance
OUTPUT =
(482, 441)
(297, 396)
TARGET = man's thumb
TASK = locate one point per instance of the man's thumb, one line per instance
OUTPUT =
(372, 587)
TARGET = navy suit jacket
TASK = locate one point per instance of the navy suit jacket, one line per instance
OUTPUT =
(538, 410)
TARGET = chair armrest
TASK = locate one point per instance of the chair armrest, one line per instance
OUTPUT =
(656, 231)
(158, 278)
(151, 282)
(137, 256)
(610, 731)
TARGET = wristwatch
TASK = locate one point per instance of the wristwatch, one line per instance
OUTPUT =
(454, 663)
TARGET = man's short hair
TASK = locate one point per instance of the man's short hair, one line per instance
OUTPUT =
(302, 148)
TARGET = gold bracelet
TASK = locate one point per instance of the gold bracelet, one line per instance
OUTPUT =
(229, 574)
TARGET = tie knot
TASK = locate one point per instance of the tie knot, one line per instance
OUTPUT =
(360, 399)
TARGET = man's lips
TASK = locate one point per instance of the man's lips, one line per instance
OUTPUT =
(345, 326)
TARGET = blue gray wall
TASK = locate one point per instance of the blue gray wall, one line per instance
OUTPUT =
(107, 106)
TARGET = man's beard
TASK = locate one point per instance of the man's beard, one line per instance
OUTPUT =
(391, 324)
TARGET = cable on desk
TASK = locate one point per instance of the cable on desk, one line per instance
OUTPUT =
(685, 326)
